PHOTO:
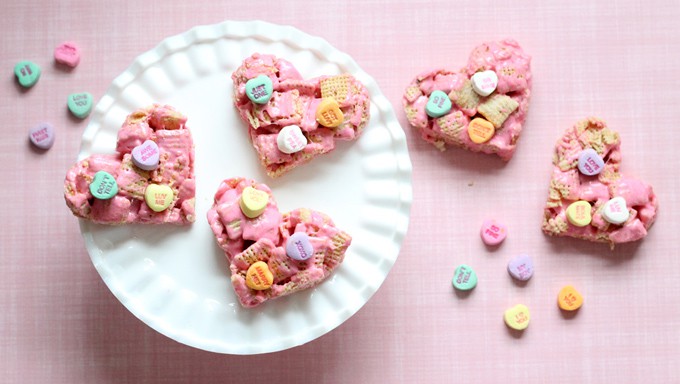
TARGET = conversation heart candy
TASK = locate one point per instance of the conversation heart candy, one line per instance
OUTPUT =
(464, 278)
(80, 104)
(259, 277)
(517, 317)
(615, 210)
(146, 155)
(589, 162)
(103, 186)
(299, 247)
(253, 202)
(480, 130)
(578, 213)
(27, 73)
(42, 135)
(521, 267)
(569, 299)
(67, 53)
(493, 232)
(484, 83)
(328, 113)
(291, 139)
(260, 89)
(438, 104)
(158, 197)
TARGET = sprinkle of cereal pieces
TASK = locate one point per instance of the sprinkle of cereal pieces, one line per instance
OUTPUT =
(412, 93)
(465, 97)
(554, 226)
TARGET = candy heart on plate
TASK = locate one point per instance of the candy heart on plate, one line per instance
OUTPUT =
(271, 95)
(605, 206)
(273, 254)
(124, 187)
(492, 91)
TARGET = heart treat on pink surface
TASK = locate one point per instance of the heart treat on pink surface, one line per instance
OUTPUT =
(271, 95)
(487, 101)
(273, 254)
(598, 205)
(149, 180)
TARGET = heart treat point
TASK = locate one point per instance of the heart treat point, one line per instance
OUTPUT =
(484, 83)
(438, 104)
(590, 163)
(253, 202)
(521, 267)
(80, 104)
(328, 113)
(299, 247)
(464, 278)
(259, 277)
(493, 232)
(291, 139)
(615, 211)
(158, 197)
(517, 317)
(260, 89)
(569, 299)
(579, 213)
(42, 135)
(67, 53)
(103, 186)
(146, 155)
(480, 130)
(27, 73)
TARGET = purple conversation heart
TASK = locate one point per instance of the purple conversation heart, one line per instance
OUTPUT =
(521, 267)
(299, 247)
(42, 136)
(146, 156)
(589, 162)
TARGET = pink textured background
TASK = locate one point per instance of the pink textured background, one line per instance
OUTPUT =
(618, 60)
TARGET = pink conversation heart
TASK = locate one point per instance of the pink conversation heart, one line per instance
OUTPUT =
(521, 267)
(42, 136)
(67, 53)
(146, 156)
(493, 232)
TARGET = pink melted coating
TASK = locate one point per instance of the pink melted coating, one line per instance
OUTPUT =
(246, 241)
(294, 102)
(512, 66)
(163, 125)
(569, 185)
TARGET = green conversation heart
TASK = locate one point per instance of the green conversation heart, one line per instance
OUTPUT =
(27, 73)
(80, 104)
(103, 186)
(259, 90)
(438, 104)
(464, 278)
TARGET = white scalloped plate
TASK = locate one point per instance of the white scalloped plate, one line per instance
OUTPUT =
(176, 280)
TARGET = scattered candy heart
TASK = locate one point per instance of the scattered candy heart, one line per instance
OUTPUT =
(328, 113)
(569, 299)
(103, 186)
(464, 278)
(80, 104)
(517, 317)
(259, 277)
(27, 72)
(42, 135)
(67, 53)
(253, 202)
(521, 267)
(493, 232)
(615, 210)
(484, 83)
(578, 213)
(589, 162)
(438, 104)
(291, 139)
(146, 155)
(158, 197)
(480, 130)
(260, 89)
(299, 247)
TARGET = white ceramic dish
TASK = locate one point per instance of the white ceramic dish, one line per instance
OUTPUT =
(176, 280)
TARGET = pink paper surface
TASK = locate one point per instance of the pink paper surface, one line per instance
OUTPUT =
(617, 60)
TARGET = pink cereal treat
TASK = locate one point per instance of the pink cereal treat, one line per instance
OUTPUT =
(493, 89)
(174, 172)
(620, 208)
(300, 248)
(270, 95)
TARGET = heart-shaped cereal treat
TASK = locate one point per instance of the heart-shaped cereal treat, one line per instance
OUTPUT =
(589, 199)
(481, 107)
(273, 254)
(270, 95)
(149, 180)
